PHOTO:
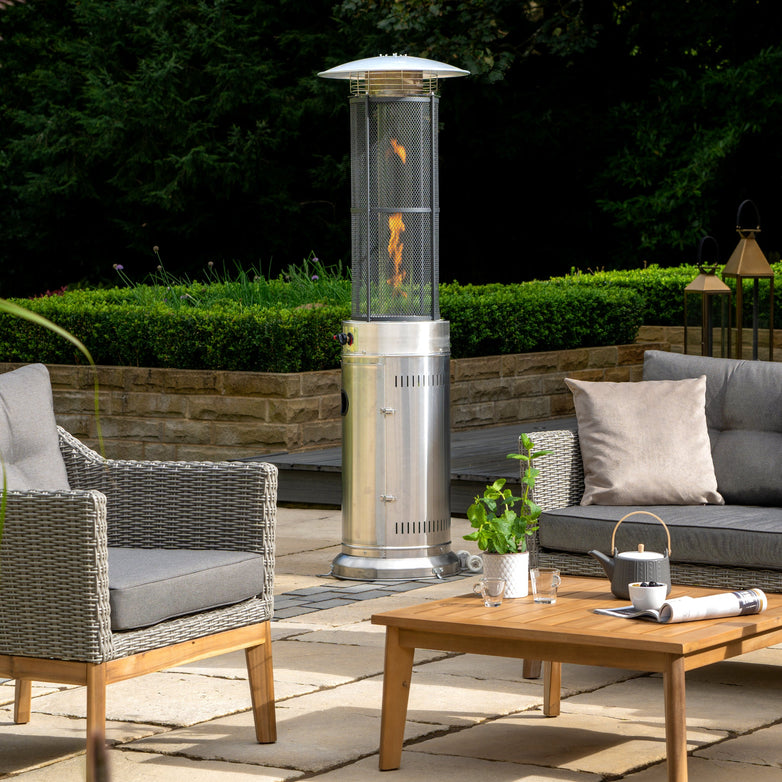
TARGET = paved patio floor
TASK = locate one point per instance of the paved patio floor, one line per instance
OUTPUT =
(470, 717)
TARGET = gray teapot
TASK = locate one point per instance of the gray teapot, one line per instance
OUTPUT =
(631, 566)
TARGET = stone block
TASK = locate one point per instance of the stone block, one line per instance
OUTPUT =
(536, 363)
(155, 405)
(190, 381)
(529, 385)
(631, 354)
(488, 390)
(561, 405)
(554, 384)
(523, 409)
(476, 368)
(265, 384)
(66, 401)
(80, 426)
(603, 356)
(321, 383)
(617, 374)
(184, 430)
(226, 408)
(474, 415)
(134, 450)
(161, 452)
(132, 428)
(330, 407)
(321, 434)
(570, 360)
(253, 434)
(191, 452)
(587, 374)
(290, 411)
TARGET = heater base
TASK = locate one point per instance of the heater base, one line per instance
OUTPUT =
(355, 568)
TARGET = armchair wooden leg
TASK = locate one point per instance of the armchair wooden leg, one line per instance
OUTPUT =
(96, 720)
(260, 672)
(23, 689)
(531, 669)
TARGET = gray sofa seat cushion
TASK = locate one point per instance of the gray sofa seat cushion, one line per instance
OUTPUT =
(724, 535)
(29, 443)
(744, 418)
(147, 586)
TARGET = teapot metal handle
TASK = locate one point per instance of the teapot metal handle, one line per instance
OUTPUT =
(633, 513)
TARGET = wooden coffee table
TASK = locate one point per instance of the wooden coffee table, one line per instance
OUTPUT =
(568, 632)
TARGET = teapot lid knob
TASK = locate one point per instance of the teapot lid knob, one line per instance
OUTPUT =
(641, 547)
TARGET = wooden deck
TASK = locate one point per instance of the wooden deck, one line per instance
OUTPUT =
(477, 457)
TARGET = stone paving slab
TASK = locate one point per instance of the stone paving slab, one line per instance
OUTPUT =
(7, 690)
(700, 770)
(146, 767)
(309, 739)
(420, 767)
(707, 704)
(48, 738)
(166, 698)
(599, 745)
(762, 747)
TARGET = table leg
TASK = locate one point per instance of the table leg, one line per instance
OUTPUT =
(675, 720)
(552, 687)
(396, 690)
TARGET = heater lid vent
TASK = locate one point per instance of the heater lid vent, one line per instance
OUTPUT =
(393, 75)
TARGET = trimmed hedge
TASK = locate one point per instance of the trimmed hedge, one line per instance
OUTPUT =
(485, 320)
(662, 289)
(497, 319)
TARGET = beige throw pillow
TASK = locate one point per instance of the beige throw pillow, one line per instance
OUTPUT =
(645, 443)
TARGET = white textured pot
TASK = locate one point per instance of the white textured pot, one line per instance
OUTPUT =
(514, 568)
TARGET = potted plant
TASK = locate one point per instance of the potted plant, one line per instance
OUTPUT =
(500, 531)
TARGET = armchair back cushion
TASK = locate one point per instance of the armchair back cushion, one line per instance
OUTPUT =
(29, 444)
(744, 419)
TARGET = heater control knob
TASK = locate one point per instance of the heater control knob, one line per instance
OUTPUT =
(344, 339)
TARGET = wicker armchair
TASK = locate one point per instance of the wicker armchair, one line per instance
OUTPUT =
(55, 616)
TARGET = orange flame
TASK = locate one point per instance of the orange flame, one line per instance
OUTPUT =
(395, 247)
(396, 226)
(399, 149)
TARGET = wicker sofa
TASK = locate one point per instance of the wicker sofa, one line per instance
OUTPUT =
(732, 545)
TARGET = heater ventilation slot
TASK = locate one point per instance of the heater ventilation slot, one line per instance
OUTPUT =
(421, 527)
(419, 381)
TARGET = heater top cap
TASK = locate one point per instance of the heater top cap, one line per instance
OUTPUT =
(430, 69)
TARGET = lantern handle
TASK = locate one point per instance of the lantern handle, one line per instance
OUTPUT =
(699, 256)
(738, 216)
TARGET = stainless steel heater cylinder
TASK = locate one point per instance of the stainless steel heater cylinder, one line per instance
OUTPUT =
(395, 360)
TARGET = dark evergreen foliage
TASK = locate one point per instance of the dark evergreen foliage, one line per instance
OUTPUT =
(609, 132)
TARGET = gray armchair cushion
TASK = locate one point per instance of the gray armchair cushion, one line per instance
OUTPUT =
(147, 586)
(28, 433)
(744, 416)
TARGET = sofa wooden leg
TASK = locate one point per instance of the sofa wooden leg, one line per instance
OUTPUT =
(531, 669)
(23, 689)
(260, 672)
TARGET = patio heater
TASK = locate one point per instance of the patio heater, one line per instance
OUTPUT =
(396, 516)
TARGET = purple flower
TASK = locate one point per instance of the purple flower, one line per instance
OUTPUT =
(119, 267)
(314, 277)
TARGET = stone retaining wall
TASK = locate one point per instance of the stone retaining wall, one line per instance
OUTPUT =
(213, 415)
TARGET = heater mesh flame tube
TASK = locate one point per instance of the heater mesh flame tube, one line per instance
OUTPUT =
(394, 208)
